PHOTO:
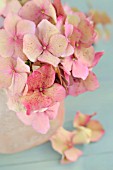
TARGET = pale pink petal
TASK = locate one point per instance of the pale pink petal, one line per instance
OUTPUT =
(79, 70)
(30, 11)
(68, 30)
(26, 119)
(5, 72)
(53, 111)
(71, 155)
(77, 88)
(41, 123)
(47, 57)
(6, 46)
(51, 12)
(51, 29)
(69, 51)
(32, 47)
(82, 119)
(18, 83)
(97, 57)
(11, 6)
(21, 67)
(25, 27)
(58, 44)
(10, 23)
(91, 83)
(97, 130)
(57, 92)
(60, 140)
(67, 64)
(85, 55)
(82, 136)
(18, 50)
(43, 77)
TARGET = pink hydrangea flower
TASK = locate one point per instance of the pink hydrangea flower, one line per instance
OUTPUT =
(42, 91)
(80, 86)
(40, 119)
(62, 142)
(82, 120)
(11, 37)
(37, 10)
(47, 45)
(13, 74)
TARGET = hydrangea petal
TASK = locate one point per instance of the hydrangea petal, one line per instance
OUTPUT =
(21, 66)
(71, 155)
(67, 64)
(25, 27)
(51, 29)
(97, 57)
(79, 70)
(31, 47)
(97, 130)
(53, 111)
(48, 58)
(30, 11)
(5, 72)
(41, 123)
(57, 92)
(69, 51)
(82, 136)
(59, 8)
(6, 49)
(58, 44)
(91, 83)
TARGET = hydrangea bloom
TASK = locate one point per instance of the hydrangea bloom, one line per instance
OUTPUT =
(46, 54)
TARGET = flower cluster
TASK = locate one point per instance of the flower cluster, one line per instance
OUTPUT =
(46, 54)
(87, 131)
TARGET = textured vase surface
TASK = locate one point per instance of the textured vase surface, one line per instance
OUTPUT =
(15, 136)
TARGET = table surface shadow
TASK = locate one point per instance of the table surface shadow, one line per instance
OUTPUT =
(97, 156)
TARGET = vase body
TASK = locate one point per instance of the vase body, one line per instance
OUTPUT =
(15, 136)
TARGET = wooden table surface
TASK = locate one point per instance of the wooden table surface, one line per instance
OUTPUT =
(97, 156)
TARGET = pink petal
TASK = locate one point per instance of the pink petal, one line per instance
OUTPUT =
(18, 83)
(59, 8)
(45, 36)
(25, 27)
(41, 123)
(53, 111)
(32, 47)
(43, 77)
(69, 51)
(79, 70)
(57, 93)
(6, 46)
(11, 6)
(51, 12)
(97, 57)
(30, 11)
(21, 67)
(58, 44)
(35, 101)
(5, 72)
(60, 140)
(67, 64)
(77, 88)
(85, 55)
(26, 119)
(82, 119)
(48, 58)
(18, 50)
(82, 136)
(10, 23)
(97, 130)
(91, 83)
(68, 30)
(71, 155)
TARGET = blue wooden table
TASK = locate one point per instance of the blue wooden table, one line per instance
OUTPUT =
(97, 156)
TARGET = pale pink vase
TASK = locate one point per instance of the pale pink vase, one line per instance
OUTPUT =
(15, 136)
